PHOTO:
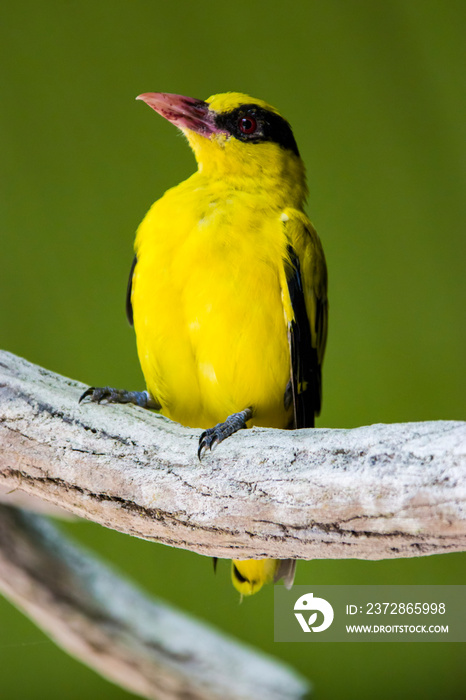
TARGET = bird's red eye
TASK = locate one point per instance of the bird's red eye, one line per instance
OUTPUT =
(247, 125)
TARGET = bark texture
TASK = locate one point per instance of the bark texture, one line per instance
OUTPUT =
(373, 492)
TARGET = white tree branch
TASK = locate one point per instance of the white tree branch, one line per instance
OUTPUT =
(373, 492)
(143, 645)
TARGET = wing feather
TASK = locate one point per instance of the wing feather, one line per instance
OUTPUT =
(129, 305)
(306, 277)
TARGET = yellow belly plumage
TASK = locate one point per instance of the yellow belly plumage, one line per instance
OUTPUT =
(208, 313)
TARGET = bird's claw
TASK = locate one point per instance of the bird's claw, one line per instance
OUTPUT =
(208, 439)
(212, 436)
(97, 394)
(122, 396)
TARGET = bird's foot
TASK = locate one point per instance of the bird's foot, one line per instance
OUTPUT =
(221, 431)
(109, 395)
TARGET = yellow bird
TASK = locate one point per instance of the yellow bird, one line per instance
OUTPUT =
(228, 288)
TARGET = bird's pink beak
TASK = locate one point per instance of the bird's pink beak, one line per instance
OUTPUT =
(183, 112)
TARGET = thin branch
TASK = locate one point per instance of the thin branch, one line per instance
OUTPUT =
(143, 645)
(373, 492)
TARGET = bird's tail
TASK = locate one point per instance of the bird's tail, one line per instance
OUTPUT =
(249, 575)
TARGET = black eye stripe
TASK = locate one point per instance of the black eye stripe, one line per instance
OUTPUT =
(270, 126)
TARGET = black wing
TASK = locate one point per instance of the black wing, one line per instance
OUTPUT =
(129, 306)
(306, 375)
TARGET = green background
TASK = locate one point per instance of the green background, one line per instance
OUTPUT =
(375, 92)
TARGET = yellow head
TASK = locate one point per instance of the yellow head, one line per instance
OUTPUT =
(237, 137)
